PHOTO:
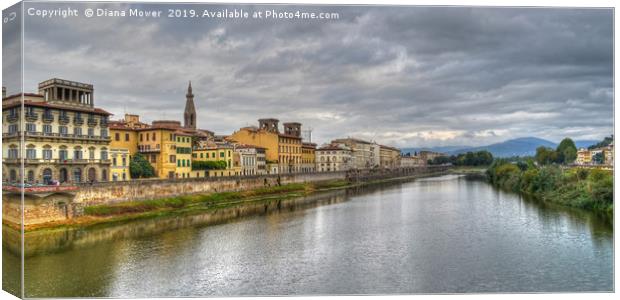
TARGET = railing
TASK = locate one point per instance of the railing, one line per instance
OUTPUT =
(48, 118)
(31, 116)
(78, 121)
(12, 118)
(63, 119)
(103, 123)
(61, 135)
(92, 122)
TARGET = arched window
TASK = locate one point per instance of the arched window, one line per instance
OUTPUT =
(30, 176)
(77, 175)
(13, 176)
(64, 175)
(104, 175)
(47, 175)
(92, 175)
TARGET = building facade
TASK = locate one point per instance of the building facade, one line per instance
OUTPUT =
(66, 138)
(281, 149)
(366, 155)
(334, 157)
(308, 157)
(389, 157)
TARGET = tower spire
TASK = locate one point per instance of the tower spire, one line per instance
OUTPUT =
(190, 110)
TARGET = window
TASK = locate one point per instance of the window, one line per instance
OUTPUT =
(117, 136)
(31, 153)
(213, 155)
(47, 129)
(13, 152)
(63, 154)
(62, 129)
(47, 153)
(222, 154)
(104, 154)
(147, 137)
(77, 130)
(91, 153)
(126, 139)
(124, 161)
(104, 133)
(31, 127)
(91, 132)
(172, 158)
(154, 136)
(13, 128)
(114, 161)
(77, 153)
(153, 158)
(140, 137)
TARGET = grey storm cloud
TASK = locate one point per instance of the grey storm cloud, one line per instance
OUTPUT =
(403, 76)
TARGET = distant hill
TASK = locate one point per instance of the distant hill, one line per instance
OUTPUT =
(516, 147)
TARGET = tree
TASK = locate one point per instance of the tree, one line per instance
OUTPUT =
(545, 155)
(139, 167)
(598, 158)
(605, 142)
(566, 151)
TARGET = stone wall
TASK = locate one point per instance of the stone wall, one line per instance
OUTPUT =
(47, 207)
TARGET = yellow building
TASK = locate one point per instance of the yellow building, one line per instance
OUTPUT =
(158, 145)
(123, 145)
(389, 157)
(281, 148)
(183, 154)
(212, 151)
(308, 157)
(584, 157)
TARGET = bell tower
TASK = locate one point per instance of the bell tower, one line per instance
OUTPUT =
(190, 110)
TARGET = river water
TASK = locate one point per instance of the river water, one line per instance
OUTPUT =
(444, 234)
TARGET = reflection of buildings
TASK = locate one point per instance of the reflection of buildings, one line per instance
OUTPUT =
(65, 136)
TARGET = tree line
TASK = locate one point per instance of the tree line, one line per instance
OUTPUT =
(479, 158)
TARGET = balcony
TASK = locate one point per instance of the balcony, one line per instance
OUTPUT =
(103, 122)
(92, 122)
(59, 135)
(48, 118)
(78, 121)
(12, 118)
(30, 116)
(63, 120)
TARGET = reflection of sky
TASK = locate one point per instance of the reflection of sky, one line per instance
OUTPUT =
(403, 76)
(445, 235)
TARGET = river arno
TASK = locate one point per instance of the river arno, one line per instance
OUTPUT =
(445, 234)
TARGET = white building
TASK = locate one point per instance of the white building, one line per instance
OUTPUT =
(334, 157)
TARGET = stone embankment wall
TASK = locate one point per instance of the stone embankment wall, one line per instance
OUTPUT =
(42, 208)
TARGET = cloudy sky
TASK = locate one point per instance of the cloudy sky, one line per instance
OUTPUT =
(403, 76)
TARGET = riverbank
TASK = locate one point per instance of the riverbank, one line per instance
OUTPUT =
(227, 203)
(588, 189)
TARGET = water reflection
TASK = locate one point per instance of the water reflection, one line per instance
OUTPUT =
(435, 235)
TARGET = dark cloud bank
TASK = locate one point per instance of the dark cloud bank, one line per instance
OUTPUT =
(405, 76)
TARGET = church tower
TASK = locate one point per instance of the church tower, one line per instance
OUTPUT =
(190, 110)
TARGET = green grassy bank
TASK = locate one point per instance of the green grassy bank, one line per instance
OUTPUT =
(108, 214)
(590, 189)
